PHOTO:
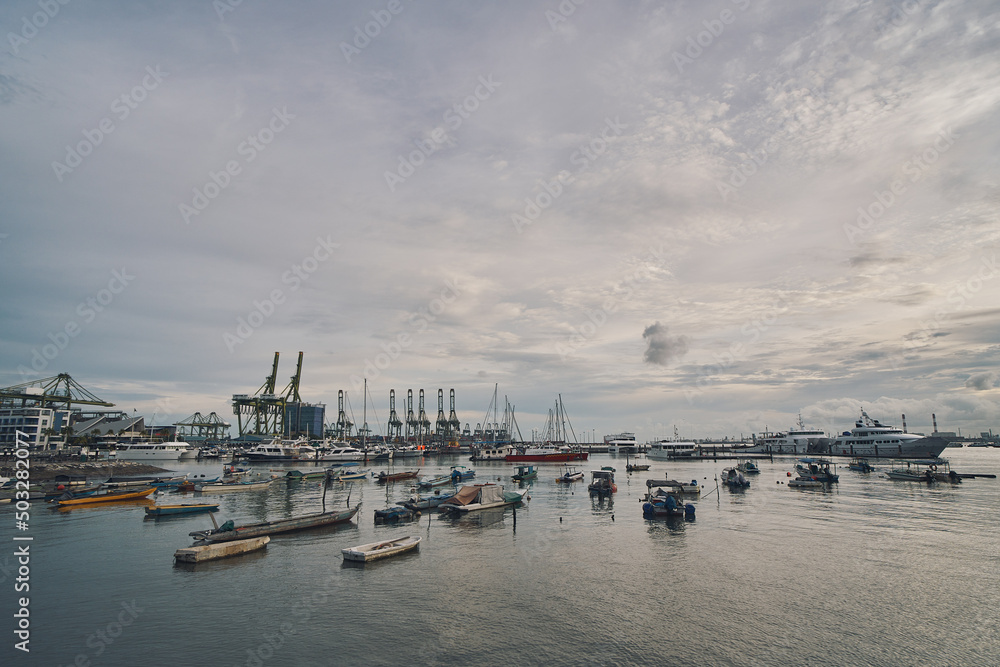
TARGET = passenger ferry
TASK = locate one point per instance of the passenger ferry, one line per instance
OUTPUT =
(156, 451)
(671, 449)
(621, 443)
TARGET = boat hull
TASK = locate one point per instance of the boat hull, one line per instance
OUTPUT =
(107, 498)
(277, 527)
(558, 457)
(377, 550)
(174, 510)
(199, 554)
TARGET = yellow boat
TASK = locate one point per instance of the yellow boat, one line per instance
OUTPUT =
(108, 497)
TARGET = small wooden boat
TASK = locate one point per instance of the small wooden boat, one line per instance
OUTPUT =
(346, 474)
(69, 493)
(571, 475)
(228, 532)
(305, 474)
(524, 473)
(145, 480)
(170, 510)
(393, 514)
(199, 554)
(803, 482)
(859, 464)
(224, 486)
(748, 467)
(377, 550)
(110, 497)
(461, 474)
(384, 477)
(636, 467)
(431, 482)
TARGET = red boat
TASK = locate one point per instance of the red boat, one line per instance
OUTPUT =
(550, 452)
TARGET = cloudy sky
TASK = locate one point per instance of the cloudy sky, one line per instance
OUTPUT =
(709, 215)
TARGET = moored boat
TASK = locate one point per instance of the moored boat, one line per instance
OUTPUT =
(431, 482)
(224, 486)
(384, 477)
(480, 497)
(570, 475)
(109, 497)
(214, 551)
(524, 473)
(376, 550)
(228, 531)
(860, 464)
(418, 503)
(548, 453)
(461, 474)
(602, 483)
(172, 510)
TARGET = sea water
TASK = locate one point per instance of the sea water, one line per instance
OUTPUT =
(867, 572)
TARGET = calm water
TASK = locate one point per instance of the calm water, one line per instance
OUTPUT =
(874, 572)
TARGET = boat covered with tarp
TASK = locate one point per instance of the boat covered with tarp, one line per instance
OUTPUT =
(481, 497)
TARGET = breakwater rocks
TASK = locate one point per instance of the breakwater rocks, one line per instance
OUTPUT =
(97, 469)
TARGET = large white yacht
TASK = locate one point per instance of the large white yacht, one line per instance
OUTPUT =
(800, 440)
(156, 451)
(621, 443)
(278, 450)
(871, 439)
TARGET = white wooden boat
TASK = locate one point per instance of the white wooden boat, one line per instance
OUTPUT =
(376, 550)
(216, 487)
(220, 550)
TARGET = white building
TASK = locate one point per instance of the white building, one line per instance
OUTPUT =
(41, 428)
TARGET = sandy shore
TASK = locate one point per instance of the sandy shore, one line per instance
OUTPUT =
(98, 470)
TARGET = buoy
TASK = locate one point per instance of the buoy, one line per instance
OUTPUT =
(560, 519)
(789, 474)
(612, 517)
(60, 487)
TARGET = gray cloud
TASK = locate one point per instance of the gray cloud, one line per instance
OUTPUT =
(982, 381)
(661, 347)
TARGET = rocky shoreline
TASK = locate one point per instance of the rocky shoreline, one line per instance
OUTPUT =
(99, 470)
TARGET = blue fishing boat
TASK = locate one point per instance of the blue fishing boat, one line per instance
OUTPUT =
(418, 502)
(662, 504)
(395, 514)
(461, 474)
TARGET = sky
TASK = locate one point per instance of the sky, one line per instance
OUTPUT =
(709, 216)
